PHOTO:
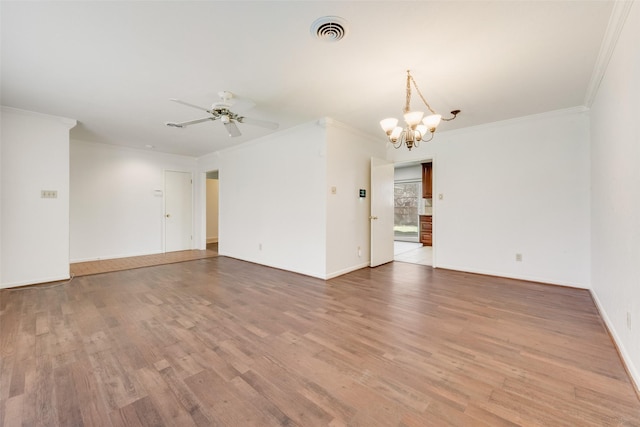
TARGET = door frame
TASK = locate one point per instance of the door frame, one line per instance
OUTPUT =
(431, 158)
(204, 205)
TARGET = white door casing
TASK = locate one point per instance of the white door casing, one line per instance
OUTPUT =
(381, 217)
(178, 217)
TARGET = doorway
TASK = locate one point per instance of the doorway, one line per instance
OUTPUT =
(212, 210)
(411, 209)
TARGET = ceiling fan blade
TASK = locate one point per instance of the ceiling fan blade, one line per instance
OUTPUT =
(189, 105)
(232, 128)
(257, 122)
(190, 122)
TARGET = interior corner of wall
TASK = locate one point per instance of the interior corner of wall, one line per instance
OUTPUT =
(322, 122)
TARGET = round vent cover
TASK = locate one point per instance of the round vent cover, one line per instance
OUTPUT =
(329, 28)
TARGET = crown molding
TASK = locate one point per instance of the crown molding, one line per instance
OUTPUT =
(69, 123)
(617, 19)
(516, 120)
(327, 122)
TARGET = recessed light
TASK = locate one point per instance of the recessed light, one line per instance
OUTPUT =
(150, 146)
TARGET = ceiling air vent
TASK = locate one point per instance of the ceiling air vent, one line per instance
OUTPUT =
(329, 28)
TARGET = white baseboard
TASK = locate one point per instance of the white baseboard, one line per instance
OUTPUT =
(525, 277)
(35, 281)
(346, 270)
(277, 266)
(626, 358)
(314, 274)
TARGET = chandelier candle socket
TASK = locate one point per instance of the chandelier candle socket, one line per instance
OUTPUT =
(417, 125)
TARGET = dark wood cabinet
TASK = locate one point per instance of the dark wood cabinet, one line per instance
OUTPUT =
(426, 230)
(427, 180)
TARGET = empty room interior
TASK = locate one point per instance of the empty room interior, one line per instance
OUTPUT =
(320, 213)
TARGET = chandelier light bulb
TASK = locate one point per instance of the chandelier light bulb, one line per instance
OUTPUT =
(413, 118)
(388, 124)
(395, 133)
(432, 121)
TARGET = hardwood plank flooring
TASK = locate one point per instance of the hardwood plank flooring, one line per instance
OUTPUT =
(119, 264)
(222, 342)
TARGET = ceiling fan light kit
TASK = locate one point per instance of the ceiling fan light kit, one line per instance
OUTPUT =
(222, 111)
(416, 125)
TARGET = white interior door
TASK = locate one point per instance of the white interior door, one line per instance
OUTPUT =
(177, 211)
(381, 217)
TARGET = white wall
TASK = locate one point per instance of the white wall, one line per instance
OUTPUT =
(271, 196)
(212, 210)
(116, 205)
(519, 186)
(35, 231)
(615, 208)
(348, 169)
(275, 193)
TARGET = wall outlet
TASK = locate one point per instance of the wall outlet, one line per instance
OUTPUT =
(628, 320)
(259, 246)
(359, 251)
(519, 257)
(334, 190)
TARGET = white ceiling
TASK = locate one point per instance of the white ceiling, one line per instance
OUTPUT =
(113, 65)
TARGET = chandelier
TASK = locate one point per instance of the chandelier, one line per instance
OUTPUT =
(417, 127)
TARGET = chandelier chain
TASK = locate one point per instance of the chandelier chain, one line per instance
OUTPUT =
(407, 100)
(410, 77)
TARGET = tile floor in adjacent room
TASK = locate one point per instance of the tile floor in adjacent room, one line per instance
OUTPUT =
(413, 253)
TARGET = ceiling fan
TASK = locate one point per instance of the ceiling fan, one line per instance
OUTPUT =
(221, 111)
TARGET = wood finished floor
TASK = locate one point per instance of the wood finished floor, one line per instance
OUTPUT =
(118, 264)
(221, 342)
